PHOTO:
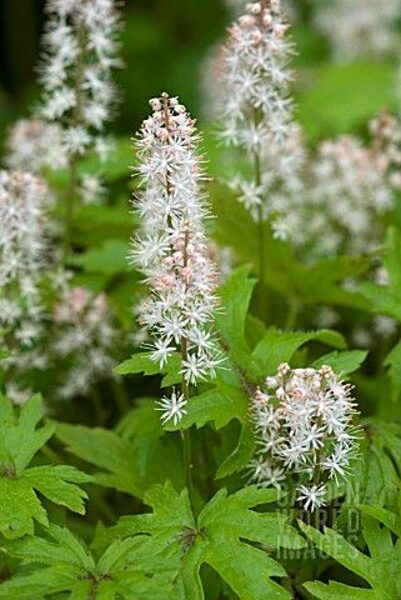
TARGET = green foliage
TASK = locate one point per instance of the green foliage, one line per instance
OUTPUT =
(60, 562)
(376, 478)
(342, 362)
(332, 106)
(227, 535)
(380, 570)
(318, 283)
(386, 300)
(131, 458)
(141, 363)
(20, 440)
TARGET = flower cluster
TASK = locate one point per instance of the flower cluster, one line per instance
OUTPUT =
(256, 110)
(386, 132)
(33, 144)
(172, 249)
(303, 420)
(80, 46)
(347, 191)
(256, 107)
(356, 28)
(24, 200)
(84, 339)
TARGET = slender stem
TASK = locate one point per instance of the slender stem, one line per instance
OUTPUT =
(121, 396)
(258, 181)
(292, 314)
(257, 175)
(185, 435)
(69, 204)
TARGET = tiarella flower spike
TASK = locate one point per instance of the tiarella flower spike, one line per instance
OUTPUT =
(171, 250)
(346, 191)
(80, 51)
(24, 200)
(33, 144)
(84, 340)
(304, 427)
(256, 111)
(359, 28)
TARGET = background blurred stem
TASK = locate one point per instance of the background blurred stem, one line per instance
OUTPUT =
(70, 204)
(257, 174)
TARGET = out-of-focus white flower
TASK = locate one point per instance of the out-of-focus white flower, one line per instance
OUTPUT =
(171, 249)
(359, 28)
(386, 132)
(362, 337)
(33, 144)
(256, 112)
(381, 276)
(24, 254)
(23, 202)
(80, 50)
(173, 407)
(338, 209)
(18, 396)
(92, 189)
(303, 420)
(84, 339)
(384, 326)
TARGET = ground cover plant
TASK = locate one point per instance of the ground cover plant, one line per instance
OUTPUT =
(200, 355)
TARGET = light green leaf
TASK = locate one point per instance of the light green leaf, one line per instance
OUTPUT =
(342, 362)
(109, 258)
(331, 104)
(56, 482)
(20, 440)
(132, 458)
(279, 346)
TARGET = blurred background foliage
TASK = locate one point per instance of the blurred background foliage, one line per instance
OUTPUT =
(165, 44)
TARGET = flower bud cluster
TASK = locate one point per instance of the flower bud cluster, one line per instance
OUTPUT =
(171, 249)
(304, 427)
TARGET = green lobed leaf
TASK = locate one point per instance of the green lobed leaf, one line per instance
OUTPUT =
(378, 569)
(223, 528)
(60, 562)
(20, 440)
